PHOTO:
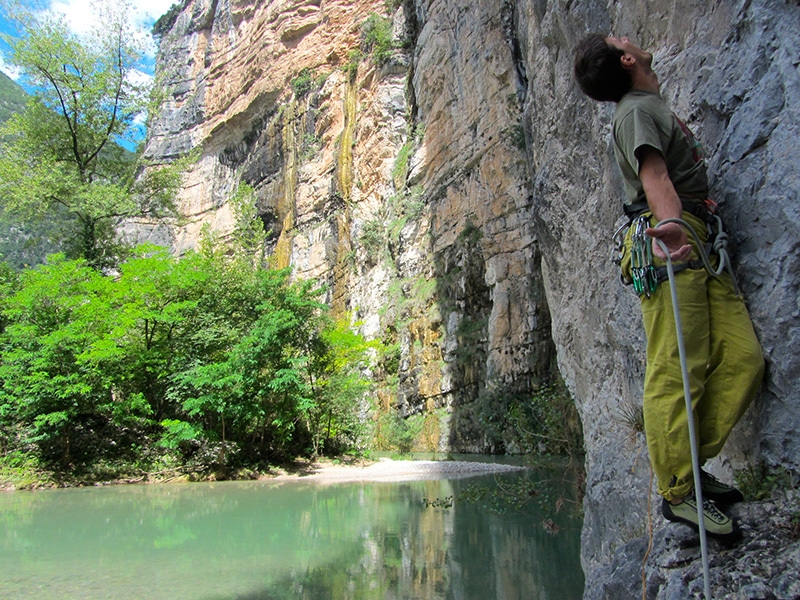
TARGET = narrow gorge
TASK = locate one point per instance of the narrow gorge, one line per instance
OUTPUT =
(457, 194)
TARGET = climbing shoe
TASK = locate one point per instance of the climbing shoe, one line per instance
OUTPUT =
(719, 492)
(716, 522)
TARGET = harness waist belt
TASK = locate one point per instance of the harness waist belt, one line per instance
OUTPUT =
(693, 207)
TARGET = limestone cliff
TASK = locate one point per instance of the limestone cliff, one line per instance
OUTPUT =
(452, 190)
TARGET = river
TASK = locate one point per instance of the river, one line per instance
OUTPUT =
(280, 540)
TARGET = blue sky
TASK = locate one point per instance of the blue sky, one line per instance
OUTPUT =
(78, 16)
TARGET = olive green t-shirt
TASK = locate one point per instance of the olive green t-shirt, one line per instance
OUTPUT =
(644, 119)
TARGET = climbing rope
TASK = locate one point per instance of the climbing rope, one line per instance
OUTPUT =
(719, 246)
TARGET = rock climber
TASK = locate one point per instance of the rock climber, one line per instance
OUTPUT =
(664, 173)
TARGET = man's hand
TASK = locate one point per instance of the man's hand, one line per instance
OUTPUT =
(674, 237)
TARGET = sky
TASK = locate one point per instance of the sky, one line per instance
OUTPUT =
(79, 17)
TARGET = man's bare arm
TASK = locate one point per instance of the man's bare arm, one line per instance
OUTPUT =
(664, 203)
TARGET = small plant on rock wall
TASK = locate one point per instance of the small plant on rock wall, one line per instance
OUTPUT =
(471, 234)
(311, 146)
(377, 38)
(631, 415)
(373, 240)
(400, 170)
(759, 481)
(392, 5)
(303, 83)
(353, 58)
(516, 136)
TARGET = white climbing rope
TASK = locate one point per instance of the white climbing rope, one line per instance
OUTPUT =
(724, 262)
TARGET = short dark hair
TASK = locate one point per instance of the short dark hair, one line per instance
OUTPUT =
(599, 71)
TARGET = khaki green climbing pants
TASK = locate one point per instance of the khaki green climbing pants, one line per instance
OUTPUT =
(725, 367)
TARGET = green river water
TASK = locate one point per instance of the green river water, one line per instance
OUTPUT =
(281, 540)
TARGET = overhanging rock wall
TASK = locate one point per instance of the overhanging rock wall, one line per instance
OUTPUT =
(730, 69)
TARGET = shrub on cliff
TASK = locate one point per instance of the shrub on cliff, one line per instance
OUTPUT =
(377, 38)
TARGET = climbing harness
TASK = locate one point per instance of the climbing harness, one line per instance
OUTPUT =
(719, 247)
(644, 275)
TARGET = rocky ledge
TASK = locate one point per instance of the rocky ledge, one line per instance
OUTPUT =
(763, 566)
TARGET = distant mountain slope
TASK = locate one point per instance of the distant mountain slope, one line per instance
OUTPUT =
(24, 244)
(12, 97)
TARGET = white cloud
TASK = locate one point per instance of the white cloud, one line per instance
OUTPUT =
(81, 16)
(137, 77)
(8, 69)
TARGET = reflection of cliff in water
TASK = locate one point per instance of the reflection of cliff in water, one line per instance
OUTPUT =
(266, 540)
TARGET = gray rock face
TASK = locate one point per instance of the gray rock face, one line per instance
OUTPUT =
(500, 257)
(763, 565)
(730, 69)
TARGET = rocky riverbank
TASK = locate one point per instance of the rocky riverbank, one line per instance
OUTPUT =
(763, 566)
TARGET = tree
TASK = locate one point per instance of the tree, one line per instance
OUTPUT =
(337, 357)
(46, 384)
(64, 149)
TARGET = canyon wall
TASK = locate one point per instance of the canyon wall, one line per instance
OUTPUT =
(458, 195)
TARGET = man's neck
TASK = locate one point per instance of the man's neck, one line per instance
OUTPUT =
(646, 81)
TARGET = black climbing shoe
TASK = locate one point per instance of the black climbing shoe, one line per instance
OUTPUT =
(719, 492)
(716, 522)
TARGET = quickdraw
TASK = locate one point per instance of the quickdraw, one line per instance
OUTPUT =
(643, 272)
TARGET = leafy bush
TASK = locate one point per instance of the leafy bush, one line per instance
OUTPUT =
(303, 83)
(759, 481)
(166, 21)
(353, 58)
(377, 39)
(544, 423)
(209, 357)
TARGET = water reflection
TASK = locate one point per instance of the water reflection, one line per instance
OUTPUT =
(294, 540)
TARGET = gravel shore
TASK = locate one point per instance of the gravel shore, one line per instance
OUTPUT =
(396, 470)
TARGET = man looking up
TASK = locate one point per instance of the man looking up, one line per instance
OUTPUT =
(665, 177)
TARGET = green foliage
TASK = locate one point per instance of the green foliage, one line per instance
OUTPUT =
(471, 234)
(311, 146)
(392, 5)
(249, 235)
(543, 423)
(63, 149)
(516, 136)
(381, 236)
(373, 240)
(353, 58)
(210, 358)
(759, 481)
(166, 21)
(303, 83)
(397, 434)
(377, 38)
(420, 432)
(400, 170)
(335, 375)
